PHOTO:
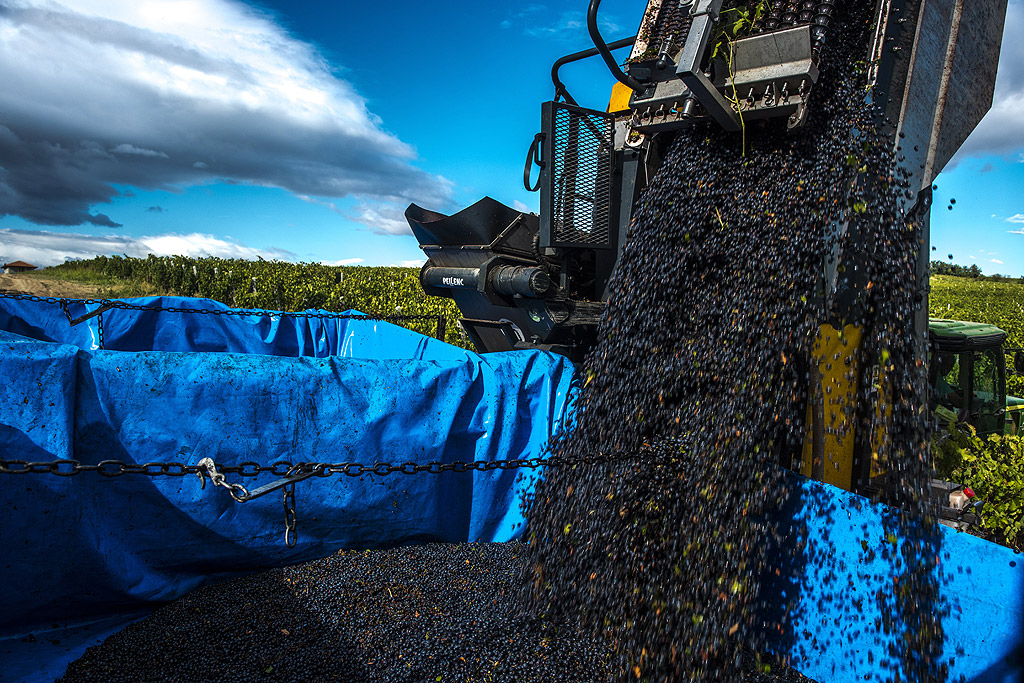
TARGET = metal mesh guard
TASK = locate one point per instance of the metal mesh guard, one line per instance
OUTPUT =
(581, 179)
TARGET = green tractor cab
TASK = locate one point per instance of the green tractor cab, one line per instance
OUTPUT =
(967, 375)
(1014, 411)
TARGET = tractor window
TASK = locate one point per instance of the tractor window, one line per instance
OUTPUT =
(947, 390)
(987, 400)
(984, 375)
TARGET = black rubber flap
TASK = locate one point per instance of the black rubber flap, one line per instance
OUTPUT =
(478, 224)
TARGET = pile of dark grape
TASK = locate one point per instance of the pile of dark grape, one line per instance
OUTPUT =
(417, 614)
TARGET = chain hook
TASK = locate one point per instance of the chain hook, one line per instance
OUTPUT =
(291, 536)
(209, 468)
(64, 307)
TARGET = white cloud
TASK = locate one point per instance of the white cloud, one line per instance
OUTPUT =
(1016, 218)
(320, 202)
(413, 263)
(381, 217)
(125, 148)
(1016, 232)
(536, 21)
(344, 262)
(46, 248)
(1002, 130)
(520, 206)
(995, 260)
(568, 23)
(168, 93)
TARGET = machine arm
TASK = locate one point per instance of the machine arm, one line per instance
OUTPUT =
(560, 89)
(606, 54)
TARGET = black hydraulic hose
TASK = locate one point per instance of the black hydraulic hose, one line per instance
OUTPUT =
(606, 54)
(533, 157)
(560, 89)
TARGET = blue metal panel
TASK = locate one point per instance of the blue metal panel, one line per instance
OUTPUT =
(845, 589)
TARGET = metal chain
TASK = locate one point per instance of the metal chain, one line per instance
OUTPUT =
(288, 472)
(66, 467)
(291, 537)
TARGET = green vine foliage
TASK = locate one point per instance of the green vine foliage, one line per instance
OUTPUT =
(994, 469)
(735, 23)
(983, 301)
(279, 286)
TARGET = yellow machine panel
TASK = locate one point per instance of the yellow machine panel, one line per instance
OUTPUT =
(619, 101)
(828, 447)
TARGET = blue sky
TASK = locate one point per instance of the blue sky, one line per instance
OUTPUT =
(301, 130)
(985, 225)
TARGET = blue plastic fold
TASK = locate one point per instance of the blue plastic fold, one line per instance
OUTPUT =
(211, 326)
(86, 551)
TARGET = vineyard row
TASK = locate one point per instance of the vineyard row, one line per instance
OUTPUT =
(281, 286)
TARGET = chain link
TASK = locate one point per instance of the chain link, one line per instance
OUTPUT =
(288, 474)
(107, 304)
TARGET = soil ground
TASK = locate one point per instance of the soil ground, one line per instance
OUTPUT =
(33, 284)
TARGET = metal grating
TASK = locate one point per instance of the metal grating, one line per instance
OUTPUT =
(579, 176)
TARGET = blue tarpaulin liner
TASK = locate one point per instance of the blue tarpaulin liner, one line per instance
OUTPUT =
(212, 326)
(84, 555)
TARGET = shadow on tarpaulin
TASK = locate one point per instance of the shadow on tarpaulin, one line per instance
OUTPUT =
(85, 555)
(836, 595)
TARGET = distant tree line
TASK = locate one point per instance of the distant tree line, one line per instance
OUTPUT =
(955, 269)
(972, 271)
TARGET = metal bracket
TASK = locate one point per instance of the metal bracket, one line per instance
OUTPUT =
(705, 14)
(286, 480)
(82, 318)
(706, 7)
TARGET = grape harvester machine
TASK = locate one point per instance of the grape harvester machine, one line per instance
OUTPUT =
(524, 281)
